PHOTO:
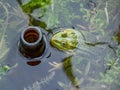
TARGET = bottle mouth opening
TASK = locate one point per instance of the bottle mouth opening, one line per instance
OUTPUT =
(32, 42)
(31, 35)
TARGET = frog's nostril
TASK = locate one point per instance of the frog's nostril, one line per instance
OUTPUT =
(64, 34)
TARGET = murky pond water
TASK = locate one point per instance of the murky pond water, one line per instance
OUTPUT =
(94, 65)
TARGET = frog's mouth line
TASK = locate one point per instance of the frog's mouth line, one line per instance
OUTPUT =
(54, 44)
(62, 48)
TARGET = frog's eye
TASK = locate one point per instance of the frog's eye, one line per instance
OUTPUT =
(64, 43)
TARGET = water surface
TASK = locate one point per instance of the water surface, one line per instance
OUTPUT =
(94, 67)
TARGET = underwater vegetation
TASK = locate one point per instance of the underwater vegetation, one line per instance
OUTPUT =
(4, 48)
(3, 24)
(29, 6)
(117, 35)
(3, 70)
(35, 10)
(60, 13)
(37, 85)
(112, 71)
(3, 43)
(96, 16)
(97, 19)
(92, 64)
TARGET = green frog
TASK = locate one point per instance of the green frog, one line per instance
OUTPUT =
(66, 39)
(71, 39)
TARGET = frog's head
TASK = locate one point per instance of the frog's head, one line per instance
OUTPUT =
(65, 40)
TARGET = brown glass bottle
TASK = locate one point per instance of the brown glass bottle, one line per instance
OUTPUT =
(32, 43)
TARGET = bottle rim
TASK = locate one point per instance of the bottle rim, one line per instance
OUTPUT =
(31, 28)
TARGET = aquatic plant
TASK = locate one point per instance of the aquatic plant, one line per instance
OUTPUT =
(68, 86)
(94, 16)
(71, 67)
(35, 10)
(39, 83)
(112, 71)
(60, 13)
(82, 77)
(31, 5)
(3, 70)
(98, 15)
(4, 49)
(117, 35)
(97, 20)
(3, 44)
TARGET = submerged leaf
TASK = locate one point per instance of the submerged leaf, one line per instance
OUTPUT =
(3, 48)
(81, 81)
(55, 66)
(87, 68)
(38, 84)
(61, 84)
(3, 44)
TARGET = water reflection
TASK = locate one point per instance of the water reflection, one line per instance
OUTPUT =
(23, 72)
(33, 62)
(67, 68)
